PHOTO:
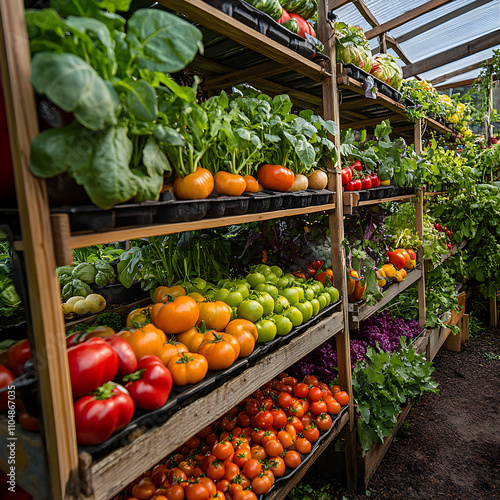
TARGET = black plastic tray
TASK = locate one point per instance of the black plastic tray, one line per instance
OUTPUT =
(289, 472)
(361, 75)
(265, 24)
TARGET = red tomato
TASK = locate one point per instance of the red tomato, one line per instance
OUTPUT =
(17, 355)
(6, 379)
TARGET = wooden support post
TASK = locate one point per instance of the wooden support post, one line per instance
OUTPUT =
(382, 43)
(331, 112)
(420, 231)
(487, 118)
(48, 343)
(493, 312)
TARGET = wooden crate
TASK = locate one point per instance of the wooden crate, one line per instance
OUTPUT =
(437, 336)
(454, 342)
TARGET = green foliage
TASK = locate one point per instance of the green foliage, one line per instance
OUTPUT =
(114, 83)
(113, 320)
(164, 260)
(9, 298)
(400, 226)
(382, 384)
(304, 491)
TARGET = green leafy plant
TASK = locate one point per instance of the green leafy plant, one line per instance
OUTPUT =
(111, 75)
(382, 384)
(9, 298)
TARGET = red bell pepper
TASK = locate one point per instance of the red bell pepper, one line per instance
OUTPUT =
(6, 379)
(346, 176)
(375, 180)
(17, 355)
(299, 275)
(108, 409)
(127, 360)
(356, 165)
(91, 364)
(366, 182)
(326, 277)
(316, 264)
(311, 271)
(151, 384)
(396, 259)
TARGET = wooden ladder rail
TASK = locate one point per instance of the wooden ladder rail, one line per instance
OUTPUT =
(48, 343)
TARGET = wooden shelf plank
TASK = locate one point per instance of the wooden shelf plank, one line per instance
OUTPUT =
(361, 312)
(113, 472)
(403, 197)
(85, 240)
(283, 488)
(212, 18)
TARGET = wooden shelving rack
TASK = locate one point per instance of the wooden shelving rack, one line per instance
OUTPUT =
(47, 241)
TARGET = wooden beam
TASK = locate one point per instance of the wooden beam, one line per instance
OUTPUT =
(382, 43)
(440, 20)
(370, 122)
(453, 54)
(336, 4)
(241, 76)
(209, 16)
(404, 18)
(391, 43)
(47, 338)
(461, 71)
(366, 13)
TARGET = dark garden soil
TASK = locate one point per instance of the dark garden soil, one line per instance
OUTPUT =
(449, 446)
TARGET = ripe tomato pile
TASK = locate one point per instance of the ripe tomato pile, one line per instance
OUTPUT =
(240, 455)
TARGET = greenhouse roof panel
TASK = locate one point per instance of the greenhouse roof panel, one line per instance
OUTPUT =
(449, 26)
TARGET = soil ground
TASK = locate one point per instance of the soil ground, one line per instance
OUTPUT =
(449, 446)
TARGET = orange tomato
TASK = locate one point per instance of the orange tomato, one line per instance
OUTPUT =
(187, 368)
(166, 293)
(252, 185)
(146, 340)
(139, 317)
(192, 338)
(170, 349)
(197, 185)
(177, 316)
(229, 184)
(245, 333)
(215, 313)
(220, 349)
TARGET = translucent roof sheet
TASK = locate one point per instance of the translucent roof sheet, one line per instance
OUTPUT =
(482, 17)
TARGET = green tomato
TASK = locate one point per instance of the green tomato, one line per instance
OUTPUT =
(266, 301)
(280, 304)
(271, 278)
(283, 324)
(315, 306)
(317, 286)
(294, 315)
(209, 294)
(267, 287)
(234, 299)
(333, 292)
(240, 288)
(250, 310)
(266, 329)
(283, 282)
(306, 309)
(327, 297)
(277, 271)
(291, 294)
(189, 287)
(242, 281)
(221, 294)
(255, 279)
(199, 283)
(301, 293)
(262, 268)
(290, 276)
(222, 283)
(322, 301)
(309, 293)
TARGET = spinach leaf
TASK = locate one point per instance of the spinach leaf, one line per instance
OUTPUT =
(57, 149)
(108, 179)
(74, 85)
(154, 158)
(160, 41)
(140, 98)
(148, 186)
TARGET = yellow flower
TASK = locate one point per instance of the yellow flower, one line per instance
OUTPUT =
(264, 256)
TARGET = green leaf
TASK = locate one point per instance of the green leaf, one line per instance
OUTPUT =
(108, 180)
(73, 85)
(154, 158)
(114, 5)
(140, 98)
(57, 149)
(168, 136)
(160, 41)
(148, 186)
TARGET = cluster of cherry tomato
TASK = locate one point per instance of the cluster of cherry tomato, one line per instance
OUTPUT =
(445, 230)
(353, 178)
(240, 455)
